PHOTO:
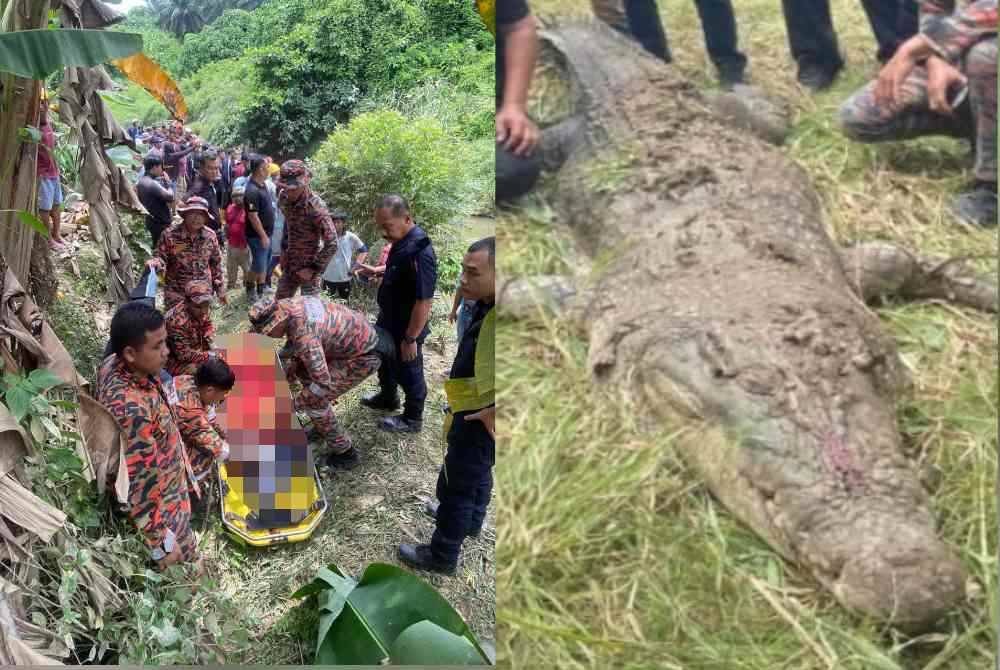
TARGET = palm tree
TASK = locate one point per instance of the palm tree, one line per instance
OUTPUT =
(213, 9)
(178, 16)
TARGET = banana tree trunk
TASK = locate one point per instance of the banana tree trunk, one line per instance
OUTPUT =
(19, 98)
(104, 183)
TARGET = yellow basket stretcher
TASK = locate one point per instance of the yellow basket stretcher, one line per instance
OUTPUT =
(269, 488)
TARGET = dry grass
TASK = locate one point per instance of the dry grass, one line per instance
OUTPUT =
(611, 554)
(373, 508)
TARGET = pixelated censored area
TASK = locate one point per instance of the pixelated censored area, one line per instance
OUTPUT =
(270, 462)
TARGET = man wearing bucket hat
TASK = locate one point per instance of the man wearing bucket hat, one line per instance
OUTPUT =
(330, 349)
(310, 239)
(190, 329)
(188, 250)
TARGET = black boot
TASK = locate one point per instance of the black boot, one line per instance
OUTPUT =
(431, 510)
(978, 206)
(400, 424)
(251, 293)
(380, 402)
(818, 77)
(420, 556)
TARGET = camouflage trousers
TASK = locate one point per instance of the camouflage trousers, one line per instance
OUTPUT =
(288, 284)
(345, 375)
(864, 121)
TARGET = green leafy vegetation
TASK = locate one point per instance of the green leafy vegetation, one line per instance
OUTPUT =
(389, 614)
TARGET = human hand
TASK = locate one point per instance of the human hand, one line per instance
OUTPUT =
(889, 85)
(223, 299)
(515, 131)
(942, 77)
(265, 241)
(452, 316)
(488, 416)
(408, 351)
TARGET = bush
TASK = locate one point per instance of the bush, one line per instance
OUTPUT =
(215, 99)
(384, 152)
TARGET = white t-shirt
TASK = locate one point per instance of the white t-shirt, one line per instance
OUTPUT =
(339, 268)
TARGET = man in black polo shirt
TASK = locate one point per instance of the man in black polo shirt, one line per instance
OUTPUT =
(156, 194)
(204, 186)
(404, 300)
(260, 225)
(517, 164)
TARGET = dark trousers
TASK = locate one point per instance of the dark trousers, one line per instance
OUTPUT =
(155, 229)
(338, 288)
(394, 372)
(811, 36)
(515, 176)
(893, 22)
(645, 24)
(718, 24)
(814, 43)
(464, 486)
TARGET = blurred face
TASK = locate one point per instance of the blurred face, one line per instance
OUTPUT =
(210, 169)
(151, 356)
(156, 171)
(211, 395)
(195, 221)
(339, 225)
(294, 194)
(393, 228)
(199, 310)
(478, 277)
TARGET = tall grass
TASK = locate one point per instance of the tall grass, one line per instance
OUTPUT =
(611, 554)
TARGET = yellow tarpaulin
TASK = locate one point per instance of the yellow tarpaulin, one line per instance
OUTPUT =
(148, 74)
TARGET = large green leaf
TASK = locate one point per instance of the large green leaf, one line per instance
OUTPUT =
(35, 54)
(385, 602)
(426, 643)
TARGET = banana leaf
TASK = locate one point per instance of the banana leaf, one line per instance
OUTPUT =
(147, 73)
(390, 615)
(35, 54)
(488, 12)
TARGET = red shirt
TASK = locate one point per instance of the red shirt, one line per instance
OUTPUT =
(236, 226)
(47, 166)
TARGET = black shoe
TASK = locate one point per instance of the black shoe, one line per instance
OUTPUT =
(978, 206)
(344, 461)
(729, 77)
(400, 424)
(431, 510)
(420, 556)
(378, 401)
(818, 78)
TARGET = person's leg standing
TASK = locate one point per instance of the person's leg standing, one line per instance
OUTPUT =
(483, 494)
(387, 397)
(55, 213)
(411, 379)
(812, 41)
(287, 286)
(647, 27)
(718, 23)
(466, 472)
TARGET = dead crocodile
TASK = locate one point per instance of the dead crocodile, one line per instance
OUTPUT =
(726, 304)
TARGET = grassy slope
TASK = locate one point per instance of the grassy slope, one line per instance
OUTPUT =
(612, 555)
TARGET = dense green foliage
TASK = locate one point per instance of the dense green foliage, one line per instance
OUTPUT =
(289, 72)
(384, 152)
